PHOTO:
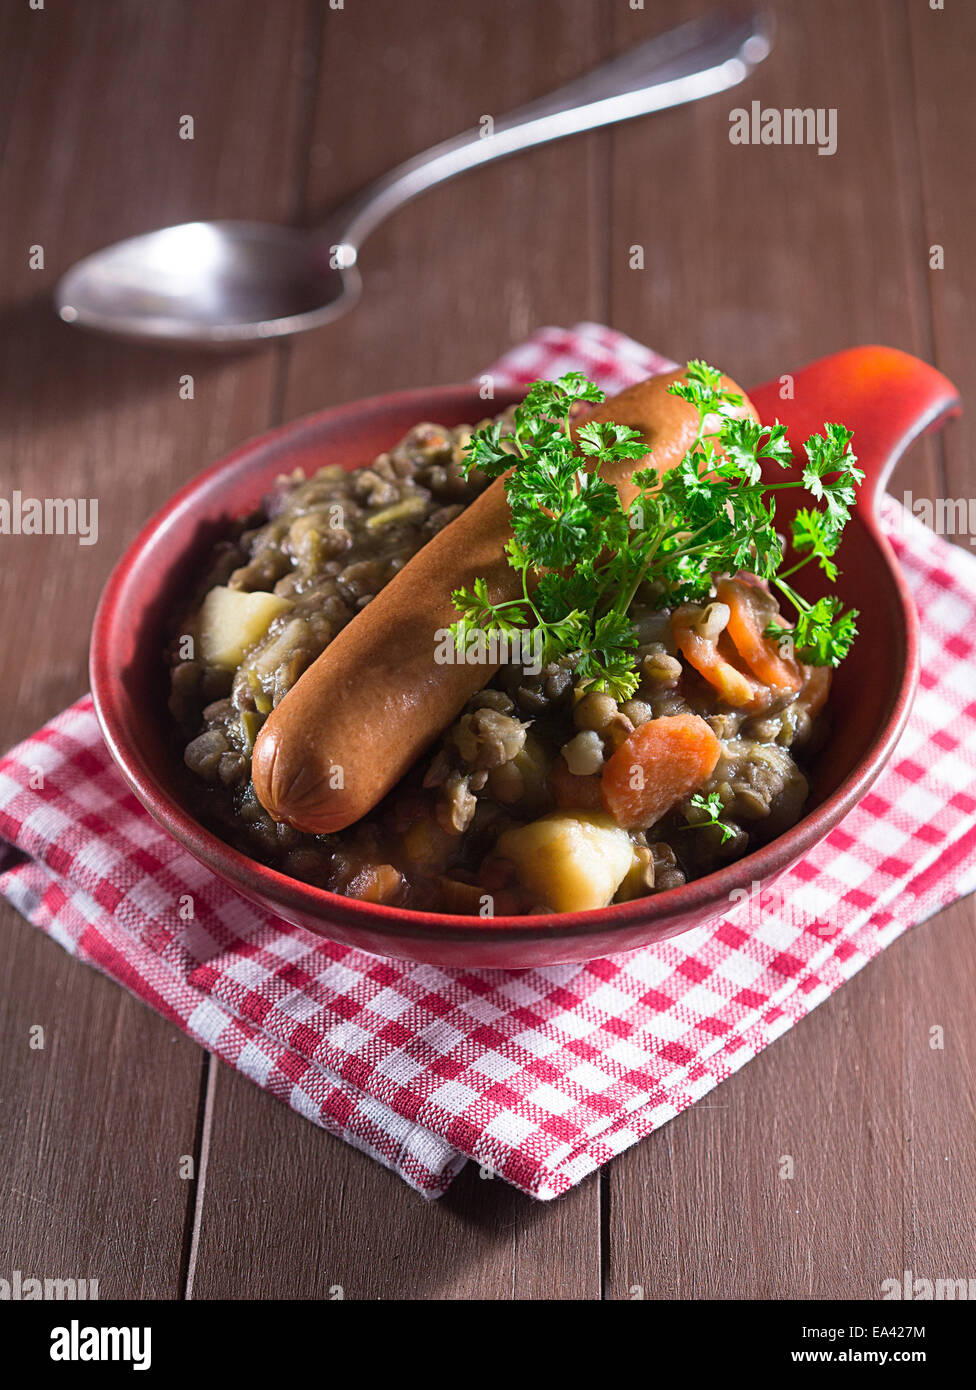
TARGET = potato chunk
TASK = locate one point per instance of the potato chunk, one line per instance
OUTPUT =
(570, 860)
(231, 621)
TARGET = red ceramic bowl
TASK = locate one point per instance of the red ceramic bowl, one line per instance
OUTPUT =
(887, 397)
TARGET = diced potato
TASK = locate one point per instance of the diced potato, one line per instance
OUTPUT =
(570, 860)
(231, 621)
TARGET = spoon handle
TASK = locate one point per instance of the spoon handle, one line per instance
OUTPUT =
(695, 60)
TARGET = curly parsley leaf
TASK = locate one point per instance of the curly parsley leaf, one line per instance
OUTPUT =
(823, 634)
(702, 387)
(607, 663)
(610, 443)
(815, 534)
(831, 471)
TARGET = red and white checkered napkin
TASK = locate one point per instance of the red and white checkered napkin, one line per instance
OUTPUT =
(540, 1075)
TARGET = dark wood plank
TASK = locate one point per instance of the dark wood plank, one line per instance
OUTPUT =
(86, 416)
(451, 281)
(469, 269)
(763, 257)
(94, 1126)
(942, 42)
(939, 1198)
(878, 1124)
(940, 1084)
(767, 257)
(97, 1126)
(290, 1212)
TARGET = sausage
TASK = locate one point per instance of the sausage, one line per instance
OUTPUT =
(366, 709)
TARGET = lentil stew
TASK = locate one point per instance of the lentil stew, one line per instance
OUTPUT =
(507, 811)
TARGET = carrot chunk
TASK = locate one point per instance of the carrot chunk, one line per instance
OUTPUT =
(734, 686)
(375, 883)
(662, 762)
(572, 792)
(750, 611)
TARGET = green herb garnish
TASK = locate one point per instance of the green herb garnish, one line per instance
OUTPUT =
(711, 809)
(582, 557)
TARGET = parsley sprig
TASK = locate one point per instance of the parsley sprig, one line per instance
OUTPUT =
(583, 558)
(707, 810)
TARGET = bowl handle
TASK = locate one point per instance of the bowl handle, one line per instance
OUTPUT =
(887, 397)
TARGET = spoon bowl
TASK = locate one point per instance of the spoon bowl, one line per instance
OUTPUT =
(219, 283)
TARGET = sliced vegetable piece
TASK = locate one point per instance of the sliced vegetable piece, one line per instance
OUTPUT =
(468, 899)
(232, 620)
(701, 651)
(251, 721)
(572, 792)
(375, 883)
(408, 509)
(661, 763)
(751, 609)
(570, 860)
(639, 879)
(293, 637)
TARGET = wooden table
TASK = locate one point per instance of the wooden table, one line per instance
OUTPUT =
(757, 258)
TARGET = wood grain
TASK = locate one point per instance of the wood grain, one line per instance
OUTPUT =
(457, 277)
(290, 1212)
(96, 1127)
(757, 257)
(940, 44)
(91, 1129)
(878, 1124)
(763, 257)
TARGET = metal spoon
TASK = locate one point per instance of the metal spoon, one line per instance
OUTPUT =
(231, 284)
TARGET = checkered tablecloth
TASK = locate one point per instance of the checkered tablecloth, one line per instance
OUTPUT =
(539, 1075)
